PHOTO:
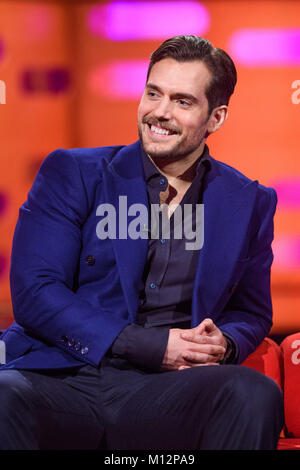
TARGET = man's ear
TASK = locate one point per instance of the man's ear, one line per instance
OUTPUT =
(217, 118)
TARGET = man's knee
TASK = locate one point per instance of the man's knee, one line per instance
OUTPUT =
(246, 411)
(18, 419)
(15, 393)
(254, 393)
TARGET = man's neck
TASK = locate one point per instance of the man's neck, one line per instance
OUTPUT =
(179, 171)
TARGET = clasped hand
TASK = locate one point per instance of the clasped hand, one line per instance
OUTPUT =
(198, 346)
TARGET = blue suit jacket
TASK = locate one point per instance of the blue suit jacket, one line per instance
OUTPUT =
(73, 293)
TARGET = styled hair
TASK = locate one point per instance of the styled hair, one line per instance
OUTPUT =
(218, 62)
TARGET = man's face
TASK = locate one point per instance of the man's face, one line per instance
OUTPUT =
(173, 112)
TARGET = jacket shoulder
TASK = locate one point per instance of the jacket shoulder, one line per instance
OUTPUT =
(86, 155)
(240, 178)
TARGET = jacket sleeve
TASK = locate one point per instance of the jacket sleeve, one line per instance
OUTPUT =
(247, 317)
(45, 253)
(143, 347)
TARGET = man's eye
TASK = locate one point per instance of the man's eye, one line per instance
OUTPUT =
(183, 102)
(151, 94)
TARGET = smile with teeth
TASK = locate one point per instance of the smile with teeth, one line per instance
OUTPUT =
(160, 130)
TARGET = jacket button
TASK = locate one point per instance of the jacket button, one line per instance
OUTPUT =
(90, 260)
(84, 350)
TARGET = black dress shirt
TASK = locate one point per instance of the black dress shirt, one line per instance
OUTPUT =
(170, 270)
(166, 296)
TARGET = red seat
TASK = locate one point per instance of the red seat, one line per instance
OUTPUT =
(288, 444)
(290, 347)
(282, 364)
(267, 359)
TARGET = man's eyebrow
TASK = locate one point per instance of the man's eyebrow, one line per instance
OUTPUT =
(175, 95)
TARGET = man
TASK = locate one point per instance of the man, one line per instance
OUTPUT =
(134, 342)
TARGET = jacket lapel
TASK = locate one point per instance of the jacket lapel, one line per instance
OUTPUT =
(124, 177)
(228, 205)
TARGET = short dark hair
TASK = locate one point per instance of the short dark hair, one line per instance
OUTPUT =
(218, 62)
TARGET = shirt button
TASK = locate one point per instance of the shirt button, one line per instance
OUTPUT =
(152, 285)
(162, 181)
(90, 260)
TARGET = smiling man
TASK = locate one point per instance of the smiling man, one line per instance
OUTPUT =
(136, 342)
(173, 113)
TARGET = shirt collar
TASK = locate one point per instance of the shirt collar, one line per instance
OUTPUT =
(151, 171)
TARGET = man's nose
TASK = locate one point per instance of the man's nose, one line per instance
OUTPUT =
(163, 110)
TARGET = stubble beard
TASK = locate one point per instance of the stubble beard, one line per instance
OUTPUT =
(179, 151)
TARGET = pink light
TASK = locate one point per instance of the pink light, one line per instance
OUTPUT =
(3, 264)
(1, 50)
(288, 192)
(130, 20)
(38, 21)
(119, 80)
(265, 47)
(286, 252)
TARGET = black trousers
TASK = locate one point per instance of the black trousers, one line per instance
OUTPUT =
(119, 407)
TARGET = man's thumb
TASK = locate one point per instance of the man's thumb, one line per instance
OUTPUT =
(206, 325)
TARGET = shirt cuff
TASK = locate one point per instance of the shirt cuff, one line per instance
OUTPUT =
(143, 347)
(231, 354)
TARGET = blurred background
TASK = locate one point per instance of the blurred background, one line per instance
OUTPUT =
(72, 72)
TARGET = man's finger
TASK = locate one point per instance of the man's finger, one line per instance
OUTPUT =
(207, 325)
(194, 351)
(188, 335)
(202, 357)
(196, 338)
(199, 365)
